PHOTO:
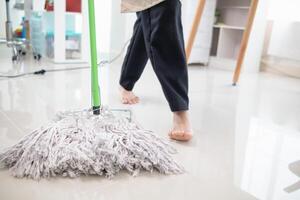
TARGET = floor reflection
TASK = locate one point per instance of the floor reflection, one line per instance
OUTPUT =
(267, 142)
(294, 168)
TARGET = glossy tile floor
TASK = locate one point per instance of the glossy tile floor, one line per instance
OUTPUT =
(246, 145)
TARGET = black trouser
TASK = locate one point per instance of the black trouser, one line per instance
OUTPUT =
(158, 35)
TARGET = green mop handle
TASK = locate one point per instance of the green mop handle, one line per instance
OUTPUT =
(96, 101)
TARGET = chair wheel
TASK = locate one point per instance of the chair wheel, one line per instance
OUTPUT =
(14, 58)
(38, 57)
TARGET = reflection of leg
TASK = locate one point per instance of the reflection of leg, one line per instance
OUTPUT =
(295, 168)
(293, 188)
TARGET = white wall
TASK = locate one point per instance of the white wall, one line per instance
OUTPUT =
(103, 24)
(2, 19)
(285, 40)
(121, 27)
(256, 41)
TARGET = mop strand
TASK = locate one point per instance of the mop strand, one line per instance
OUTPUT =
(79, 143)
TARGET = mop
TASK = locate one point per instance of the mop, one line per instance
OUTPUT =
(89, 142)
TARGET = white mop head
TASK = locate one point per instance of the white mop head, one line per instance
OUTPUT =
(80, 143)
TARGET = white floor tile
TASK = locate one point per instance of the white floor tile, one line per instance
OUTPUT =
(245, 137)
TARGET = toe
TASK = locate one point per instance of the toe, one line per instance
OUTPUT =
(136, 100)
(131, 101)
(180, 135)
(125, 101)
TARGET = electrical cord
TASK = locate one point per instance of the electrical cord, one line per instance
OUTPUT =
(43, 71)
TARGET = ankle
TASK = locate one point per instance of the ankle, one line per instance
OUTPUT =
(122, 89)
(181, 116)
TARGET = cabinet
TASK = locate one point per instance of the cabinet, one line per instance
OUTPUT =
(230, 22)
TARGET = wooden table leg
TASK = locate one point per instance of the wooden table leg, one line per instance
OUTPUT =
(193, 33)
(245, 41)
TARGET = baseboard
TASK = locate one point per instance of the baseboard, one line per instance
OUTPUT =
(281, 66)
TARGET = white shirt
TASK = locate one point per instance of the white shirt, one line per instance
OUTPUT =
(138, 5)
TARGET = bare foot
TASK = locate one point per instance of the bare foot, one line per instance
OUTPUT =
(181, 127)
(128, 97)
